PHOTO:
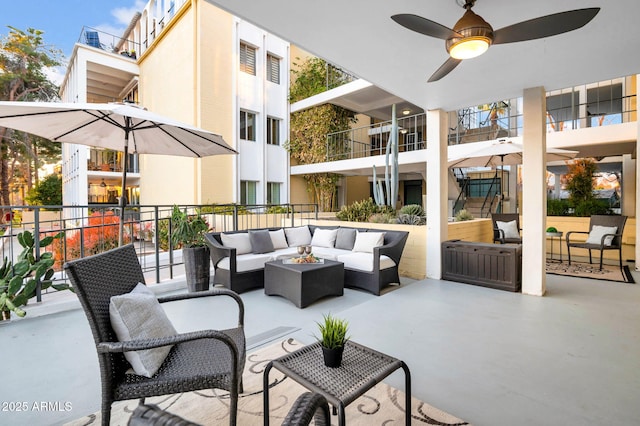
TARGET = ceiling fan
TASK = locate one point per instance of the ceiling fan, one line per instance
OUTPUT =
(471, 36)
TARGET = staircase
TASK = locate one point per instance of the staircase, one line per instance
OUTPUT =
(474, 206)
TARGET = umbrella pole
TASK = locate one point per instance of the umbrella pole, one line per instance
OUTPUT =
(123, 198)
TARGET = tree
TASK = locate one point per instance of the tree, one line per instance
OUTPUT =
(309, 129)
(24, 59)
(47, 193)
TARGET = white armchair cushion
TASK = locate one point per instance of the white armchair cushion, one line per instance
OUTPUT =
(324, 238)
(299, 236)
(510, 229)
(138, 315)
(597, 232)
(366, 241)
(239, 241)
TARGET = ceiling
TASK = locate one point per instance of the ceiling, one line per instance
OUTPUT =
(360, 36)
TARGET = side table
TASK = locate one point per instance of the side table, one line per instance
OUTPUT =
(362, 368)
(551, 236)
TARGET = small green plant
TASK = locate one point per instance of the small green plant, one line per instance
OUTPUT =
(359, 211)
(463, 215)
(18, 281)
(333, 332)
(187, 230)
(552, 229)
(410, 219)
(382, 218)
(412, 209)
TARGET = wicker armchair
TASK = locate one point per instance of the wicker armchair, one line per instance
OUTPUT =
(198, 360)
(600, 220)
(498, 234)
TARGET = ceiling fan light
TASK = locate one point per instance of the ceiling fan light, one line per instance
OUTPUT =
(469, 47)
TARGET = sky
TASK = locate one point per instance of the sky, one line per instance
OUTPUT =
(62, 20)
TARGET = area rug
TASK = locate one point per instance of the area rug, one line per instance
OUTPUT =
(382, 405)
(592, 271)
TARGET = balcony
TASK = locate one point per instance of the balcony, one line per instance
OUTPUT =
(98, 39)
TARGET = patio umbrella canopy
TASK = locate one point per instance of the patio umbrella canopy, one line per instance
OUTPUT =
(116, 126)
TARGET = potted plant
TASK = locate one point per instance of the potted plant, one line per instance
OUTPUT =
(333, 336)
(188, 232)
(18, 281)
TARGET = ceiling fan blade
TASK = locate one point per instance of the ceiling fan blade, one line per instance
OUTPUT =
(424, 26)
(444, 69)
(545, 26)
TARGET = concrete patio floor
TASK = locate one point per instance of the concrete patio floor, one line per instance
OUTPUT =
(488, 356)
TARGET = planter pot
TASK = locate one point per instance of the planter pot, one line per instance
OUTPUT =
(332, 357)
(196, 265)
(5, 315)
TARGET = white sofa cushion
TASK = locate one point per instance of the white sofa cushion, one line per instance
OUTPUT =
(324, 238)
(299, 236)
(278, 239)
(247, 262)
(239, 241)
(364, 261)
(597, 232)
(366, 241)
(328, 253)
(286, 253)
(138, 315)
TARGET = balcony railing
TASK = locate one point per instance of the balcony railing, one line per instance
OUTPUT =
(109, 42)
(372, 140)
(105, 160)
(147, 227)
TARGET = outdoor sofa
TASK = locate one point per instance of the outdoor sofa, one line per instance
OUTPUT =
(370, 256)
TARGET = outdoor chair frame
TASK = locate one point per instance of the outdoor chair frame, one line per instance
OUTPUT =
(198, 360)
(498, 234)
(602, 220)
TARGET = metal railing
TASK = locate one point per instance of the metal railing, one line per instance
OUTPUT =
(372, 140)
(108, 42)
(336, 76)
(147, 227)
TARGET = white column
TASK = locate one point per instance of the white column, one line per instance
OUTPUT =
(534, 191)
(436, 206)
(628, 196)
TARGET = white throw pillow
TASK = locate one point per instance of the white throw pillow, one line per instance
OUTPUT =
(278, 239)
(299, 236)
(324, 238)
(597, 232)
(138, 315)
(239, 241)
(510, 229)
(366, 241)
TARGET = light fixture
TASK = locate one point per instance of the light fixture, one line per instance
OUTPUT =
(102, 184)
(476, 36)
(404, 131)
(406, 111)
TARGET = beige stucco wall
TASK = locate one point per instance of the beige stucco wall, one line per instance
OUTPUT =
(357, 189)
(186, 74)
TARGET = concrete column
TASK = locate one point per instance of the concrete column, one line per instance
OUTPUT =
(534, 191)
(637, 181)
(436, 206)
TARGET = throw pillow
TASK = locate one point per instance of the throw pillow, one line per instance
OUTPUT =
(239, 241)
(345, 238)
(510, 229)
(138, 315)
(260, 241)
(299, 236)
(366, 241)
(597, 232)
(324, 238)
(278, 239)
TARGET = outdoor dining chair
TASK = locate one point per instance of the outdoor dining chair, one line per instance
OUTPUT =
(506, 232)
(603, 237)
(197, 360)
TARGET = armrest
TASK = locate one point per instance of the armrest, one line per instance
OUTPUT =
(603, 246)
(214, 292)
(393, 250)
(567, 237)
(218, 252)
(137, 345)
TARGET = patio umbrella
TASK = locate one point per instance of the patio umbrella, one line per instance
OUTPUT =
(116, 126)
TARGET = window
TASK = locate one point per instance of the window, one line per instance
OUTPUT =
(273, 131)
(247, 192)
(247, 59)
(273, 69)
(247, 126)
(273, 192)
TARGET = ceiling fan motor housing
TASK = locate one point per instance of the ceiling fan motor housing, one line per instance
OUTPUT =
(472, 29)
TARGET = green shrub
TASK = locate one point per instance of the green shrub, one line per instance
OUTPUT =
(463, 215)
(412, 209)
(557, 207)
(411, 219)
(385, 217)
(590, 207)
(359, 211)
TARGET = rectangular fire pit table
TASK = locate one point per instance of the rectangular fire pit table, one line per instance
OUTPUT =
(304, 283)
(362, 368)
